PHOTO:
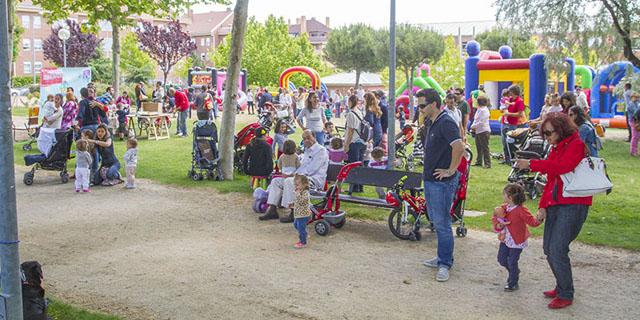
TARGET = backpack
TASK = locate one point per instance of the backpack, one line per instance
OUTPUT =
(365, 131)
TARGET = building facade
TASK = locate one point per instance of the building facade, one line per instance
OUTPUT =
(317, 32)
(209, 29)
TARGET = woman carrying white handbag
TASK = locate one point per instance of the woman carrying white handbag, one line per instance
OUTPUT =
(563, 216)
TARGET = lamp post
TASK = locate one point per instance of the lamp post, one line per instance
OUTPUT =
(64, 35)
(391, 130)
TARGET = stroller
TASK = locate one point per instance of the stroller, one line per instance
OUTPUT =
(246, 135)
(403, 140)
(204, 155)
(526, 143)
(55, 160)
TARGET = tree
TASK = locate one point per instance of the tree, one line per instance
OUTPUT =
(101, 67)
(116, 12)
(136, 64)
(80, 46)
(354, 48)
(238, 32)
(190, 62)
(607, 26)
(165, 44)
(519, 41)
(269, 50)
(414, 45)
(449, 69)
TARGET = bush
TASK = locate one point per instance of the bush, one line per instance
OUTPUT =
(34, 88)
(23, 81)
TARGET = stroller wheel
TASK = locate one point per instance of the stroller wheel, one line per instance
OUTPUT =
(64, 177)
(26, 147)
(461, 232)
(195, 176)
(28, 178)
(322, 228)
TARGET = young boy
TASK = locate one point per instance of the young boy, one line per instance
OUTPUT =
(379, 162)
(482, 133)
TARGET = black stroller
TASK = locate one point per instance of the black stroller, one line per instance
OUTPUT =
(56, 160)
(205, 157)
(526, 143)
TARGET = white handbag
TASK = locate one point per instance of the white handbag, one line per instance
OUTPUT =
(587, 179)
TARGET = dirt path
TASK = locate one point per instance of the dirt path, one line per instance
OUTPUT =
(164, 253)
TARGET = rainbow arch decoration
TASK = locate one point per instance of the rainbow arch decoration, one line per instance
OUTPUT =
(310, 72)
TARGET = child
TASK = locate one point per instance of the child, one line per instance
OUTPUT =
(257, 160)
(512, 218)
(89, 135)
(482, 132)
(130, 163)
(289, 161)
(281, 136)
(379, 162)
(329, 132)
(336, 152)
(122, 112)
(83, 166)
(301, 209)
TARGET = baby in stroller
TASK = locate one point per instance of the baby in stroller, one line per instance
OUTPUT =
(54, 160)
(526, 143)
(204, 154)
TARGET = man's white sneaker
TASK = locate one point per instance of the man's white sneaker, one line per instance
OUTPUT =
(443, 274)
(431, 263)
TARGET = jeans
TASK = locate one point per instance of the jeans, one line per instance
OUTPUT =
(505, 146)
(319, 137)
(250, 108)
(182, 123)
(356, 153)
(92, 127)
(508, 258)
(439, 198)
(561, 227)
(337, 106)
(301, 225)
(112, 173)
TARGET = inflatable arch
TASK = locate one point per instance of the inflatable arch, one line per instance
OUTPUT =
(311, 73)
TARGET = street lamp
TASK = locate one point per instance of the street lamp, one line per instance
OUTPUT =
(64, 35)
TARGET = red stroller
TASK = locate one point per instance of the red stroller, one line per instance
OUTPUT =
(246, 135)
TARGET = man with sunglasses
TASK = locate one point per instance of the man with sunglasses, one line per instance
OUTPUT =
(443, 151)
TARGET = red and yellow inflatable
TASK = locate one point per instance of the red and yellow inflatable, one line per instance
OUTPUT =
(313, 75)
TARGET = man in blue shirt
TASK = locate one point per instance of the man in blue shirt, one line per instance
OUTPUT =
(444, 150)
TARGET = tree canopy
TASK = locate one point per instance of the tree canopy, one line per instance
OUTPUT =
(81, 46)
(355, 48)
(136, 64)
(520, 42)
(606, 26)
(269, 50)
(449, 69)
(165, 44)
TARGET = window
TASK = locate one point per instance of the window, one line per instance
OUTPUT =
(37, 66)
(208, 42)
(26, 21)
(37, 22)
(26, 44)
(27, 67)
(202, 42)
(37, 44)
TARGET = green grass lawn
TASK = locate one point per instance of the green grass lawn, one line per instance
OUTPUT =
(61, 311)
(612, 219)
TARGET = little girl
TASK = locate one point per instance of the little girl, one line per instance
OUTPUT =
(88, 135)
(131, 162)
(282, 134)
(289, 161)
(83, 166)
(512, 219)
(379, 162)
(301, 209)
(336, 152)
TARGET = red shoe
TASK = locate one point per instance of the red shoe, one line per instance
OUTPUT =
(551, 293)
(559, 303)
(299, 245)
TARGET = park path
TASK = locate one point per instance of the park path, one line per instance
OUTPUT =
(160, 252)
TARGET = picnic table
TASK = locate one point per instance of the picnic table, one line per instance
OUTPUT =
(153, 125)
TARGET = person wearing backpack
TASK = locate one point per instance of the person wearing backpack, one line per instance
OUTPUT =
(586, 130)
(358, 133)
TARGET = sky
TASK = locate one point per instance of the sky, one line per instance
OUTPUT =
(372, 12)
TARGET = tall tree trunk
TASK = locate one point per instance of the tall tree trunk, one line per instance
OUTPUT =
(12, 12)
(358, 72)
(235, 61)
(115, 52)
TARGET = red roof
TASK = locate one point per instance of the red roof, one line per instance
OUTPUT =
(313, 25)
(503, 64)
(204, 23)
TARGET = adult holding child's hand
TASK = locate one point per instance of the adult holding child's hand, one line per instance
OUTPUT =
(563, 216)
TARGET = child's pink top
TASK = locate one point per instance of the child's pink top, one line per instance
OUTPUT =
(337, 156)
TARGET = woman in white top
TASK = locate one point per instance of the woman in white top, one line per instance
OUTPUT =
(315, 117)
(354, 145)
(52, 112)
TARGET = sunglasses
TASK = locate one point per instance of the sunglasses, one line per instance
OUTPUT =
(422, 106)
(548, 133)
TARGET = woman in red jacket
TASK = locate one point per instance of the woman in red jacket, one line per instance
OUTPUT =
(564, 215)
